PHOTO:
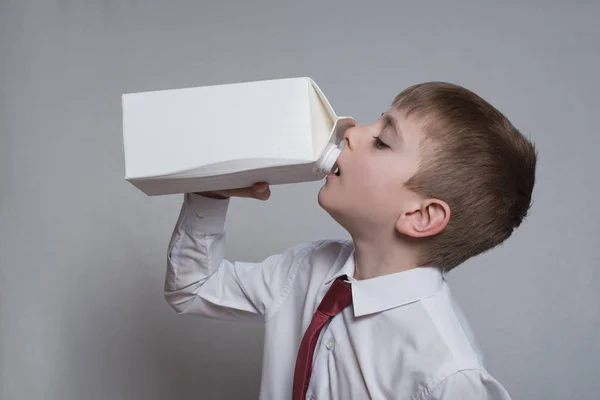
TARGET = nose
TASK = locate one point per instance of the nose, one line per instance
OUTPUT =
(351, 137)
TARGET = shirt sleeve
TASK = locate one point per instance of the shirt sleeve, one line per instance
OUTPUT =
(200, 281)
(469, 385)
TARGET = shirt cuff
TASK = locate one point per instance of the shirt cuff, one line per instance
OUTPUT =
(204, 214)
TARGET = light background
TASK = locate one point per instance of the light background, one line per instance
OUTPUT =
(83, 253)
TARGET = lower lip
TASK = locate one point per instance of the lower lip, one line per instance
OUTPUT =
(332, 176)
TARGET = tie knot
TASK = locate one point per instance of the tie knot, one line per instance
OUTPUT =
(338, 297)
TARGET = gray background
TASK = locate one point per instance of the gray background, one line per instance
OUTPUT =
(82, 252)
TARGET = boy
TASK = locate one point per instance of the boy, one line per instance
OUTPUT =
(441, 177)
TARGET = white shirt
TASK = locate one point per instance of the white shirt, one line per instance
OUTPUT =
(403, 337)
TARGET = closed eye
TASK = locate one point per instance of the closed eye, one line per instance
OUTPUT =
(379, 144)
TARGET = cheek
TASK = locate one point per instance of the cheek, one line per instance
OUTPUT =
(381, 184)
(364, 169)
(373, 173)
(371, 182)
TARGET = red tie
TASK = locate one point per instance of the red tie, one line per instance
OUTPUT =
(338, 297)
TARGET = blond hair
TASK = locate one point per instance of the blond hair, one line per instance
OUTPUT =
(476, 161)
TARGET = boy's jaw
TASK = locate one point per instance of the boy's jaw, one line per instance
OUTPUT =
(379, 249)
(352, 204)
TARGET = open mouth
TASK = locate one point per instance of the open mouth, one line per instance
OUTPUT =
(336, 169)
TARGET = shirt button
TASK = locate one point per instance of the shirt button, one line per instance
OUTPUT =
(330, 343)
(200, 214)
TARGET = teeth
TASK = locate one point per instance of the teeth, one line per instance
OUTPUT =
(336, 170)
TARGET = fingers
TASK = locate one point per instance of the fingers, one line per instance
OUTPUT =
(259, 191)
(263, 195)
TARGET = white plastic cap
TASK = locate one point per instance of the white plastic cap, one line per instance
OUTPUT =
(327, 160)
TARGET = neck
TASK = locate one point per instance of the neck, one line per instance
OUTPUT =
(376, 256)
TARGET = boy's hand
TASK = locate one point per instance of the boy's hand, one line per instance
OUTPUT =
(259, 191)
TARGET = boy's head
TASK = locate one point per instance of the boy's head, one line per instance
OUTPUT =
(442, 171)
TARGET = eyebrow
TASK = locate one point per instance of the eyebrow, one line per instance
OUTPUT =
(389, 120)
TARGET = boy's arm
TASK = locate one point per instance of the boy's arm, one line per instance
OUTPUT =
(467, 385)
(200, 281)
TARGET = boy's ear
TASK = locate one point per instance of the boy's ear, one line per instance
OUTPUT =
(426, 218)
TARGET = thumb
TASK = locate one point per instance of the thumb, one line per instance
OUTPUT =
(261, 191)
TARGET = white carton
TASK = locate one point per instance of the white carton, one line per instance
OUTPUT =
(229, 136)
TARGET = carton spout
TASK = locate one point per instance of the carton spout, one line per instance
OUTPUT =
(326, 162)
(331, 152)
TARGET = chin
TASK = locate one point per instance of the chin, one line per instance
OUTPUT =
(323, 199)
(331, 206)
(348, 215)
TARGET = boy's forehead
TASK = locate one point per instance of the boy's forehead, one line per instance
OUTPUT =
(405, 124)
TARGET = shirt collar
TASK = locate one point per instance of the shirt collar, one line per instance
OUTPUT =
(385, 292)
